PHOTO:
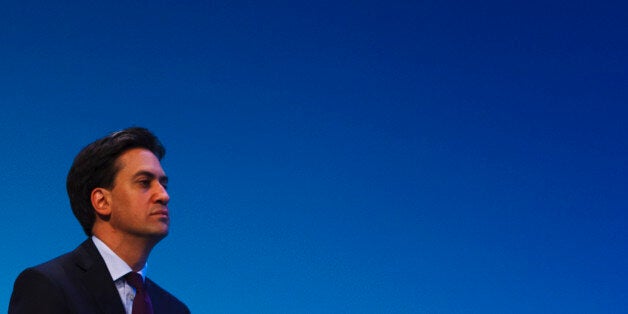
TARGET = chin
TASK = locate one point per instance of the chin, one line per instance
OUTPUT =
(162, 233)
(157, 234)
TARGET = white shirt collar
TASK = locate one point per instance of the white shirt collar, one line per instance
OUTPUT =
(116, 266)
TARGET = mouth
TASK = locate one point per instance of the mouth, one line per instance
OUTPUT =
(161, 212)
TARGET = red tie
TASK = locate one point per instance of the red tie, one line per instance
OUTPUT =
(141, 303)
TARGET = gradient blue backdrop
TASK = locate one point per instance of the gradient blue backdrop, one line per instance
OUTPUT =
(325, 157)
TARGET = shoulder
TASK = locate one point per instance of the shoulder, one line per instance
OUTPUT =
(50, 285)
(53, 270)
(163, 301)
(61, 266)
(38, 289)
(51, 273)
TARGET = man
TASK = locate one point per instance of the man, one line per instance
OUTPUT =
(117, 191)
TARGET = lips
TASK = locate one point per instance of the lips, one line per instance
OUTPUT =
(160, 212)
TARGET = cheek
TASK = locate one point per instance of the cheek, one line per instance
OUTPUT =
(130, 197)
(123, 202)
(133, 202)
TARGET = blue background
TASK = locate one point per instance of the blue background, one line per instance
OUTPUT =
(325, 157)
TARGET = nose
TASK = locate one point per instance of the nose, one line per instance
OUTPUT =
(161, 195)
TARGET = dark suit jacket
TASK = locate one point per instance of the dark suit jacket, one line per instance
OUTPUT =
(79, 282)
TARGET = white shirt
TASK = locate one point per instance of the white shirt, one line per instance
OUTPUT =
(117, 269)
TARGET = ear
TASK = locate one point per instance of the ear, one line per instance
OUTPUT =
(101, 199)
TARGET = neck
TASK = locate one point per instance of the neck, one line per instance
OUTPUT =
(134, 251)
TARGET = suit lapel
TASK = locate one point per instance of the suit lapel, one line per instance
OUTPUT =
(96, 278)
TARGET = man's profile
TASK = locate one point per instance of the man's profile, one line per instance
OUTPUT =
(117, 191)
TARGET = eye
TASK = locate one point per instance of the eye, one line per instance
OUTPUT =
(144, 183)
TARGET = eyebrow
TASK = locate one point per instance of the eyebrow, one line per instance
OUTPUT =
(150, 175)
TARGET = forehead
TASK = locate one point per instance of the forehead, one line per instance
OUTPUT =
(138, 159)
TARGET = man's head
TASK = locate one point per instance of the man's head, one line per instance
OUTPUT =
(98, 165)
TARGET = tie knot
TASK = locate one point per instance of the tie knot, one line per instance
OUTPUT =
(135, 280)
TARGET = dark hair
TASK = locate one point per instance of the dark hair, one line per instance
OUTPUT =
(95, 166)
